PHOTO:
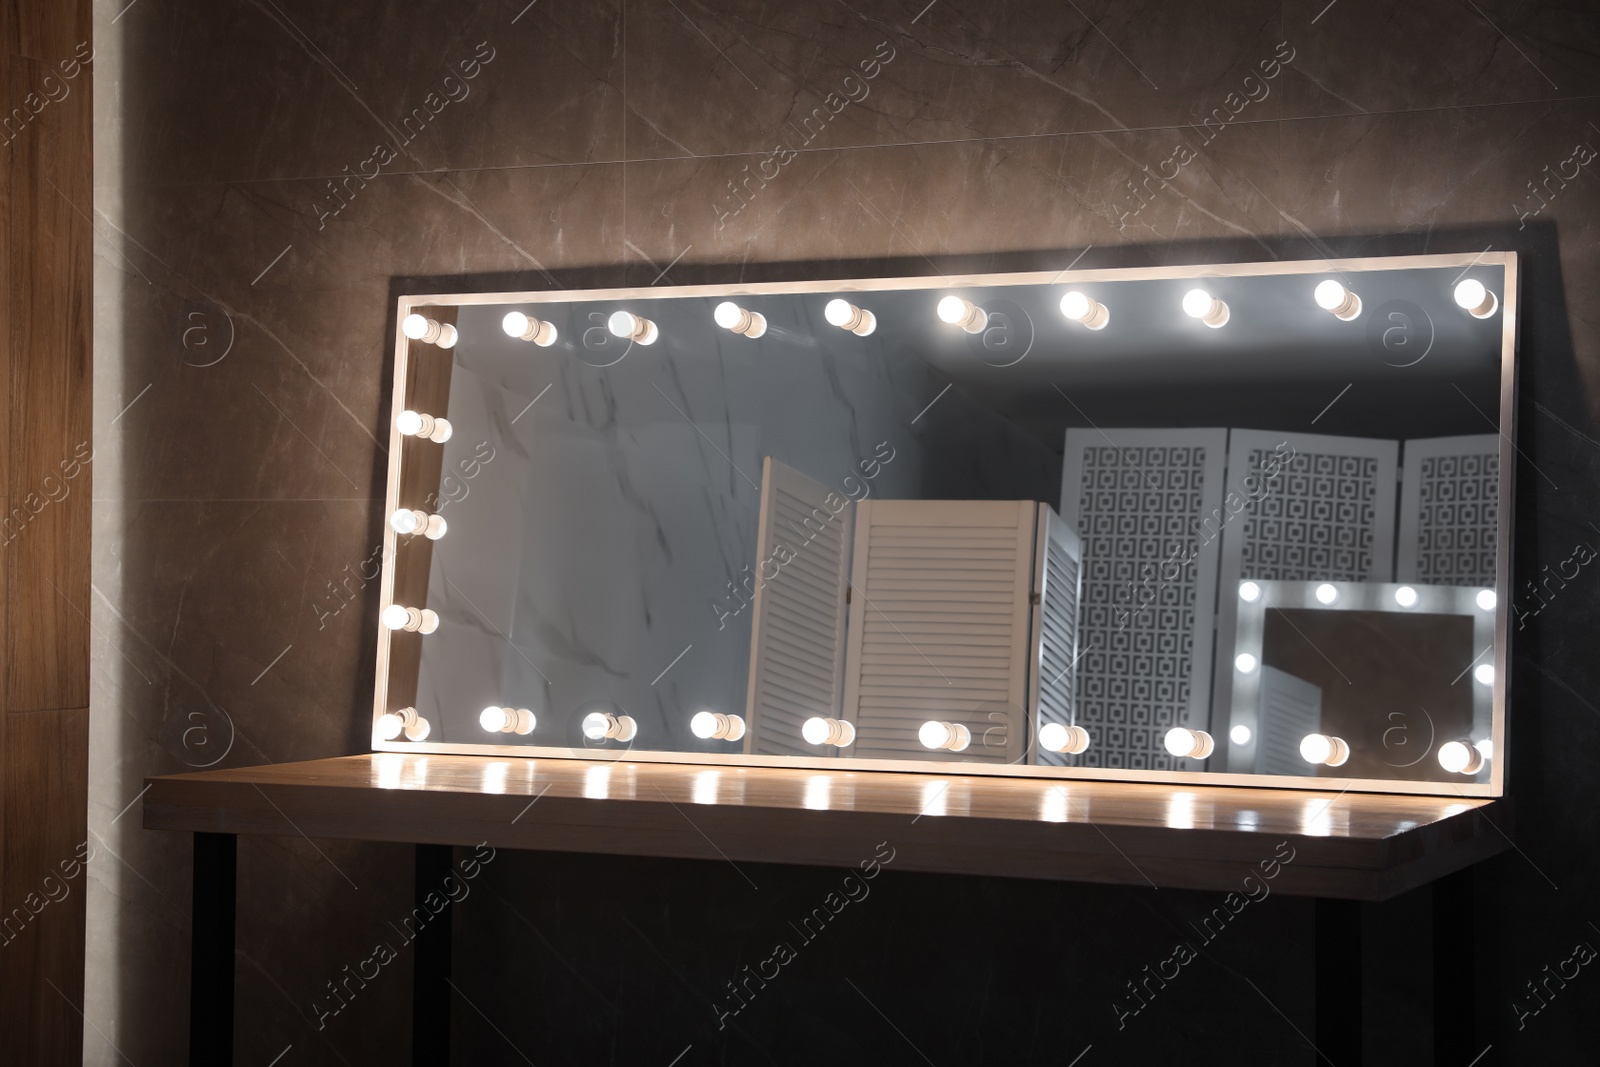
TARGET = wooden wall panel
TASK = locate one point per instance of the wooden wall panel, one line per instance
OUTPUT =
(45, 885)
(46, 410)
(48, 249)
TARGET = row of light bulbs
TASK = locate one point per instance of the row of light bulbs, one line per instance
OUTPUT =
(1330, 294)
(1457, 757)
(412, 521)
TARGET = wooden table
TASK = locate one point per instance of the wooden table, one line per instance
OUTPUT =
(1346, 847)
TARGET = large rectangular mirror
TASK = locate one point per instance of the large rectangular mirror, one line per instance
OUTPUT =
(1241, 523)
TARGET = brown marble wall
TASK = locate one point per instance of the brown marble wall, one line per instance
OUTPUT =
(250, 232)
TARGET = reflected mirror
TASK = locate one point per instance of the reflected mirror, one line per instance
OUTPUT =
(1239, 523)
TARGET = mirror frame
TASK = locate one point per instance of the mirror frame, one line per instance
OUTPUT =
(420, 385)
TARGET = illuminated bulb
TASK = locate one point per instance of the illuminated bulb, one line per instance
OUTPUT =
(406, 721)
(821, 731)
(1460, 757)
(507, 720)
(602, 725)
(1324, 749)
(1249, 592)
(1194, 744)
(1327, 593)
(627, 325)
(1483, 673)
(1244, 662)
(412, 620)
(415, 424)
(1239, 735)
(959, 312)
(950, 735)
(1487, 600)
(847, 316)
(1081, 309)
(1477, 300)
(713, 725)
(1199, 304)
(1486, 747)
(1331, 296)
(1068, 740)
(428, 331)
(731, 316)
(411, 521)
(1405, 596)
(527, 328)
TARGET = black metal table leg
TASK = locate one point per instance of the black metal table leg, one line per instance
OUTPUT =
(430, 976)
(211, 950)
(1338, 1030)
(1455, 1040)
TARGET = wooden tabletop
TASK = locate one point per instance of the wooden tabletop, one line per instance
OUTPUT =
(1350, 845)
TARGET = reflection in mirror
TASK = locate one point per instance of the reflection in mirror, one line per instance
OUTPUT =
(1242, 521)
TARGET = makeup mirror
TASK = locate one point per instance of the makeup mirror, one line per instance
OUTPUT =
(1241, 523)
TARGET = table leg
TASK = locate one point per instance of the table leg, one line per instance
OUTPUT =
(1455, 1040)
(431, 996)
(211, 950)
(1338, 1028)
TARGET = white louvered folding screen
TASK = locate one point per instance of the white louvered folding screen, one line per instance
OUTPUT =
(939, 625)
(1053, 652)
(1291, 708)
(797, 632)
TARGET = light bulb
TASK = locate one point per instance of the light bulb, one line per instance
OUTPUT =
(1193, 744)
(405, 720)
(1068, 740)
(951, 735)
(713, 725)
(1486, 747)
(1460, 757)
(731, 316)
(1483, 673)
(1324, 749)
(598, 725)
(1081, 309)
(627, 325)
(1475, 298)
(411, 521)
(1239, 735)
(847, 316)
(414, 620)
(527, 328)
(428, 331)
(415, 424)
(818, 730)
(963, 313)
(1244, 662)
(1327, 593)
(1405, 596)
(1249, 592)
(507, 720)
(1487, 599)
(1332, 296)
(1199, 304)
